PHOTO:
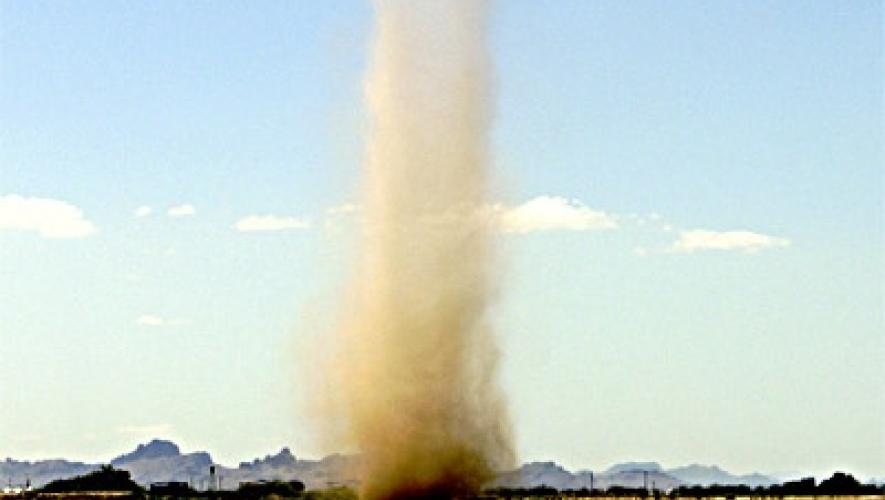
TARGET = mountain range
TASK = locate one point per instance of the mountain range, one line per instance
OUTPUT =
(161, 461)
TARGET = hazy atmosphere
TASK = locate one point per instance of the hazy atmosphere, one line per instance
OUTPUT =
(687, 227)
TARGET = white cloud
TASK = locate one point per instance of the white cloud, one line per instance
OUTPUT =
(338, 214)
(547, 213)
(270, 223)
(746, 241)
(48, 217)
(143, 211)
(152, 320)
(343, 209)
(181, 210)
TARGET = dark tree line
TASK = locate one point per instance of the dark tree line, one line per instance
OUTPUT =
(109, 479)
(106, 478)
(284, 489)
(839, 483)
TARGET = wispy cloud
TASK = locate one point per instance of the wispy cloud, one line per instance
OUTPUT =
(747, 241)
(181, 210)
(47, 217)
(542, 213)
(143, 211)
(270, 223)
(152, 320)
(551, 213)
(343, 209)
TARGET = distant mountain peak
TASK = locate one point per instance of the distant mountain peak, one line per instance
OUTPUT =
(701, 467)
(706, 475)
(161, 461)
(634, 467)
(282, 459)
(542, 465)
(157, 448)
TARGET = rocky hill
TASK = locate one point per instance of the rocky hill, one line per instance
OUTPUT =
(705, 475)
(161, 460)
(553, 474)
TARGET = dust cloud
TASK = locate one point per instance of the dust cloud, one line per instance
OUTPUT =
(413, 375)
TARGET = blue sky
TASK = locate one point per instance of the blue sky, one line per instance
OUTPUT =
(691, 251)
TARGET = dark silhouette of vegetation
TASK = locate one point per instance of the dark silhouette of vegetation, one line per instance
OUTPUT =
(259, 490)
(839, 484)
(542, 491)
(264, 489)
(174, 489)
(335, 493)
(105, 479)
(108, 479)
(548, 492)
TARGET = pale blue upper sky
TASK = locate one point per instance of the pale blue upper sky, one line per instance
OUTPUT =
(755, 350)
